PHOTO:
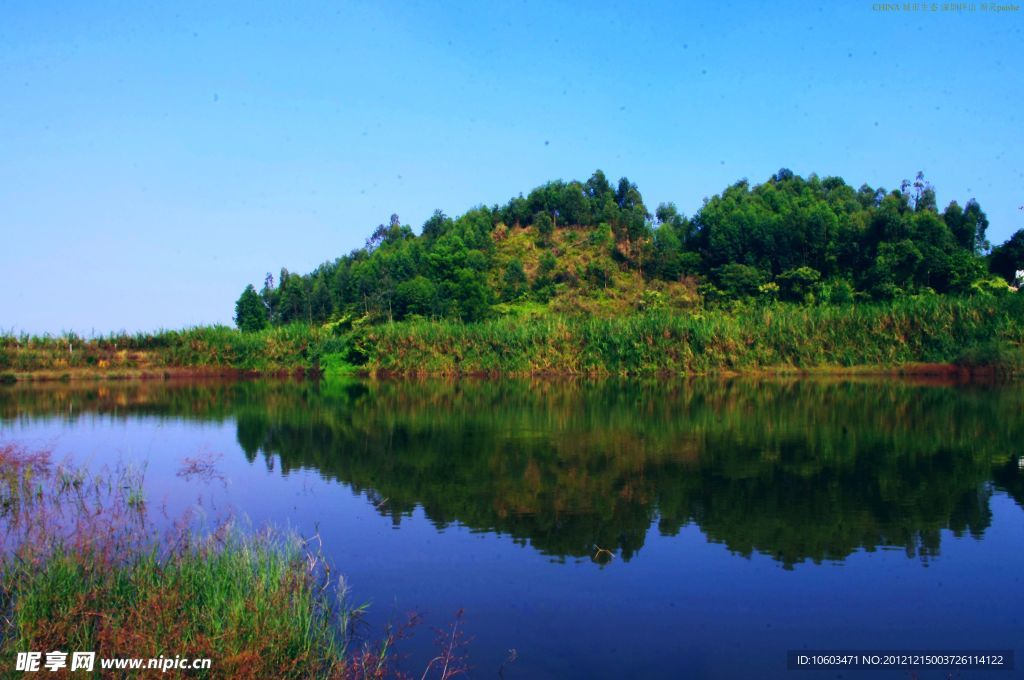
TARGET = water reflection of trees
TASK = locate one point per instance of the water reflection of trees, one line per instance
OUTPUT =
(794, 469)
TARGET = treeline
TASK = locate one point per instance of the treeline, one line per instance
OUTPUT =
(813, 240)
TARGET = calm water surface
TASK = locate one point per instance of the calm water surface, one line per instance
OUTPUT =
(606, 529)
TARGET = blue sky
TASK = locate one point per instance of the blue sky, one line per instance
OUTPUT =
(154, 159)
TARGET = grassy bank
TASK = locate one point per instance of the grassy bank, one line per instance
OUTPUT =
(969, 332)
(982, 333)
(81, 571)
(205, 351)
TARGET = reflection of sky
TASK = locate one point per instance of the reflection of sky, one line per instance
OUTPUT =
(680, 606)
(156, 158)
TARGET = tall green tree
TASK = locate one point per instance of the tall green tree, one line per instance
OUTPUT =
(250, 312)
(667, 263)
(1008, 258)
(321, 306)
(294, 300)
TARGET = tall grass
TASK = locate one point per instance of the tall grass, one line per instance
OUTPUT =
(275, 349)
(246, 603)
(80, 571)
(931, 330)
(779, 336)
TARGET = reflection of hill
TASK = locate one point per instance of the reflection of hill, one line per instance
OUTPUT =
(797, 470)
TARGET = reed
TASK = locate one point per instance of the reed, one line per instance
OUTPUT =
(282, 348)
(81, 571)
(971, 332)
(773, 337)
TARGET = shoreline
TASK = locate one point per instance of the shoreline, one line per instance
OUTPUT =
(945, 372)
(79, 375)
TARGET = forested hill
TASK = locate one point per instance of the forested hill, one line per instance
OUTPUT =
(595, 247)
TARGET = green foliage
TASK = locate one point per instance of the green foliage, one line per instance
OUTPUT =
(931, 329)
(599, 273)
(1007, 259)
(798, 285)
(896, 264)
(991, 287)
(470, 294)
(601, 236)
(224, 600)
(294, 300)
(320, 305)
(768, 291)
(544, 224)
(515, 282)
(739, 280)
(418, 295)
(544, 283)
(667, 254)
(337, 366)
(273, 349)
(957, 272)
(690, 263)
(996, 355)
(837, 292)
(250, 312)
(883, 244)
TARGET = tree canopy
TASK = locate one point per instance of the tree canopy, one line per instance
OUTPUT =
(806, 240)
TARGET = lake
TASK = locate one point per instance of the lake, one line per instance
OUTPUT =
(648, 528)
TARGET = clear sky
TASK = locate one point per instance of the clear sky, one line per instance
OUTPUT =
(157, 157)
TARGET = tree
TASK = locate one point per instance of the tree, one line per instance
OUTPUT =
(516, 212)
(628, 195)
(416, 296)
(598, 187)
(739, 280)
(269, 297)
(471, 294)
(601, 236)
(667, 250)
(837, 292)
(436, 225)
(959, 270)
(968, 225)
(294, 300)
(797, 285)
(320, 303)
(975, 226)
(573, 207)
(783, 175)
(514, 281)
(923, 196)
(599, 273)
(545, 225)
(790, 238)
(894, 270)
(544, 282)
(250, 312)
(1007, 259)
